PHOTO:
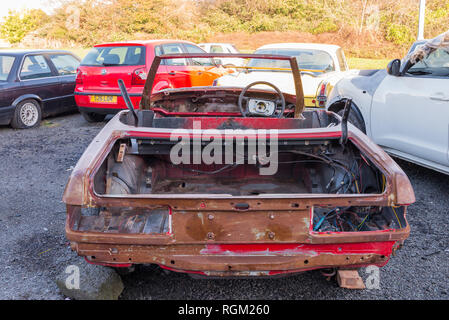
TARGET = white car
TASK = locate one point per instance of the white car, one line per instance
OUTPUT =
(321, 66)
(224, 48)
(405, 108)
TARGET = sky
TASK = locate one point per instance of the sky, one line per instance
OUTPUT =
(6, 5)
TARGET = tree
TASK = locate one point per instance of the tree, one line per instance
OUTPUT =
(18, 24)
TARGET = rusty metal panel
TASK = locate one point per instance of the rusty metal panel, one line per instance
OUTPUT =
(235, 227)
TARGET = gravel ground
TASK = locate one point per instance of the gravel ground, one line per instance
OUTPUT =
(35, 165)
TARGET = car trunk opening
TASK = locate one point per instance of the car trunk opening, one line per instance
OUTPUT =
(143, 166)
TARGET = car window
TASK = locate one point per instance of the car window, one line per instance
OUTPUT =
(307, 59)
(234, 49)
(216, 49)
(198, 61)
(228, 49)
(115, 56)
(66, 64)
(35, 67)
(171, 48)
(436, 63)
(6, 63)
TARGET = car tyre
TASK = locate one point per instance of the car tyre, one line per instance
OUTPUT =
(93, 117)
(355, 119)
(28, 114)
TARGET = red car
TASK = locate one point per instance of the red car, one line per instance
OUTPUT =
(97, 93)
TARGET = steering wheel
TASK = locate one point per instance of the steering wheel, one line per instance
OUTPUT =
(262, 107)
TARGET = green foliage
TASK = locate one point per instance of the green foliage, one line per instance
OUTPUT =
(326, 25)
(18, 24)
(396, 21)
(399, 34)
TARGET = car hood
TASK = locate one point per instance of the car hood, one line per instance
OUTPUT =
(282, 80)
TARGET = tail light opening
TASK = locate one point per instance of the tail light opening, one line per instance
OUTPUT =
(356, 219)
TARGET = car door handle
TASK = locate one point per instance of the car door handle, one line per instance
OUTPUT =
(172, 73)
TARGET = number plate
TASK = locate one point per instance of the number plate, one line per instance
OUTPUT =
(103, 99)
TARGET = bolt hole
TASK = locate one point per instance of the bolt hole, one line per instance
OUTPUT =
(306, 261)
(183, 185)
(347, 258)
(113, 259)
(295, 205)
(382, 257)
(93, 257)
(130, 259)
(229, 267)
(172, 262)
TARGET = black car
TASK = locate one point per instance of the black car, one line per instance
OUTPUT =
(35, 84)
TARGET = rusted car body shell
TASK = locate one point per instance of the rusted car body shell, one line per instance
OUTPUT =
(259, 241)
(210, 234)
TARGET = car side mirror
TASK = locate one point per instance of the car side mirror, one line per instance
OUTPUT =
(394, 67)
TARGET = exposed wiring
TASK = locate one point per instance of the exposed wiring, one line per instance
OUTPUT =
(400, 225)
(363, 221)
(229, 166)
(317, 226)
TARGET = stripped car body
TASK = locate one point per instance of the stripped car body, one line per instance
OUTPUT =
(336, 199)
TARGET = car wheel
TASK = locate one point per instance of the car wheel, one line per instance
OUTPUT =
(93, 117)
(27, 115)
(355, 119)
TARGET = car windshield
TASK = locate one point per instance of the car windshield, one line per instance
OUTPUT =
(6, 63)
(307, 59)
(436, 63)
(115, 56)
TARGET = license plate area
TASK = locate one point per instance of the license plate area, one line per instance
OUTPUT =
(238, 227)
(103, 99)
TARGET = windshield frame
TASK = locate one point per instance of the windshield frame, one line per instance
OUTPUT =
(145, 103)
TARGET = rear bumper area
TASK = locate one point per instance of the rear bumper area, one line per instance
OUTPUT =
(240, 260)
(84, 104)
(196, 243)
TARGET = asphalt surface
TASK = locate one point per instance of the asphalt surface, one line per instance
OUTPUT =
(35, 165)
